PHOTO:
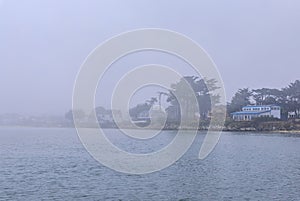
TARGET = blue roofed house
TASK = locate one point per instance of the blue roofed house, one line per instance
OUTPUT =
(253, 111)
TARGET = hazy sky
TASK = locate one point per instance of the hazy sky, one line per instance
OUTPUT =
(254, 43)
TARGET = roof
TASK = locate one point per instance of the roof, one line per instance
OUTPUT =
(250, 112)
(262, 105)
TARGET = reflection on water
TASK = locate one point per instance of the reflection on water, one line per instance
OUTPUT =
(52, 164)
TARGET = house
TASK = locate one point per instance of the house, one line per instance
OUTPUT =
(253, 111)
(106, 116)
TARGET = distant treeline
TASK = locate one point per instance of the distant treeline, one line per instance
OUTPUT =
(287, 97)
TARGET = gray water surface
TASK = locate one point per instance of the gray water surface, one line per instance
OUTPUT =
(52, 164)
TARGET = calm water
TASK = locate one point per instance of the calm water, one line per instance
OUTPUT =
(51, 164)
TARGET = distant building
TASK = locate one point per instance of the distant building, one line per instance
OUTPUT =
(253, 111)
(106, 116)
(292, 115)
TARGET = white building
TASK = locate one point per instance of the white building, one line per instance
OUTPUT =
(253, 111)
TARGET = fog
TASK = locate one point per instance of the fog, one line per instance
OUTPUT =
(43, 44)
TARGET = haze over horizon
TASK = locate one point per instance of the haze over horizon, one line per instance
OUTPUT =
(43, 44)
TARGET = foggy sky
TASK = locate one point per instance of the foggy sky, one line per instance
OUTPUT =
(254, 43)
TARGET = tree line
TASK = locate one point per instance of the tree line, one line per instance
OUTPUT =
(288, 98)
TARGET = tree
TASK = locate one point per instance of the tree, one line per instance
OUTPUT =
(79, 114)
(206, 100)
(151, 101)
(266, 96)
(160, 93)
(240, 99)
(100, 112)
(292, 97)
(142, 108)
(202, 89)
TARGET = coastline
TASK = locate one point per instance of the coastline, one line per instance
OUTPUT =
(296, 132)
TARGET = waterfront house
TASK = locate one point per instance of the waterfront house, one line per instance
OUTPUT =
(253, 111)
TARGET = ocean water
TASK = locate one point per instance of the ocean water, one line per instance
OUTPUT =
(52, 164)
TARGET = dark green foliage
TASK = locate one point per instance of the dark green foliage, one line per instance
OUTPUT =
(240, 99)
(202, 88)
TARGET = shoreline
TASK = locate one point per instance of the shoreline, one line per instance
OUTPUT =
(165, 129)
